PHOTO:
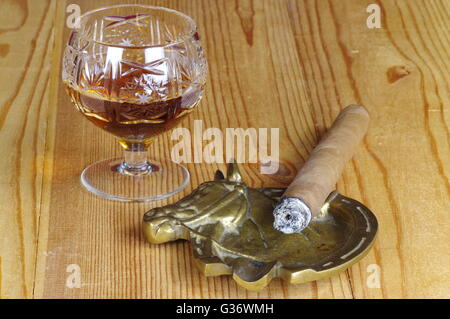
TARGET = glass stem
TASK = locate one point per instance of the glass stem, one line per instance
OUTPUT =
(135, 160)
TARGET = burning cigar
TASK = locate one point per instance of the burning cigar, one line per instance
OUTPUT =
(319, 175)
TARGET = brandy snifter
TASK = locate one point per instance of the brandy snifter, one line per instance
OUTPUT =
(135, 71)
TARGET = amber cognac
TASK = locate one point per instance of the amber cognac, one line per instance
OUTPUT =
(139, 120)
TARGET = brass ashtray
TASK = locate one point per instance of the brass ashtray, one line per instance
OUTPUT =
(230, 228)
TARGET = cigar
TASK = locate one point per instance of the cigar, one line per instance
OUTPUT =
(305, 196)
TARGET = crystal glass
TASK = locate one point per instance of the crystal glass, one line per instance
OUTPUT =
(135, 71)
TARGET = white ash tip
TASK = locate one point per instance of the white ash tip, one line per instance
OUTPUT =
(291, 215)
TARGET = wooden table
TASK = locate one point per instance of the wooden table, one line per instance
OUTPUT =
(273, 63)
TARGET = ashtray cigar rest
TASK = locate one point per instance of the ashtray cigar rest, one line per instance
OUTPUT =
(230, 227)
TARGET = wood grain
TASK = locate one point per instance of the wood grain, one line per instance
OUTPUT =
(273, 63)
(25, 65)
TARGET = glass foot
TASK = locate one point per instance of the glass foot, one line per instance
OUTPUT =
(110, 179)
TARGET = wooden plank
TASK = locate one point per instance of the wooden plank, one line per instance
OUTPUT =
(273, 63)
(25, 65)
(402, 173)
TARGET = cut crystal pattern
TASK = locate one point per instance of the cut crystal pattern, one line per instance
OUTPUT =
(122, 65)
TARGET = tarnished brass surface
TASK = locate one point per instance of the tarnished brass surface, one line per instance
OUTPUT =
(230, 227)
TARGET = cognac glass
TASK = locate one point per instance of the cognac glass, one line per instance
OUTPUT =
(135, 71)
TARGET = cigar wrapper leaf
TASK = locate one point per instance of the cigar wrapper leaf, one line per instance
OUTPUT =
(317, 178)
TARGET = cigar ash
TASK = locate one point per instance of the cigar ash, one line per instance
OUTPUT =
(291, 215)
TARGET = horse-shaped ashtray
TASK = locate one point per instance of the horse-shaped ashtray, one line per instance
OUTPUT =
(230, 228)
